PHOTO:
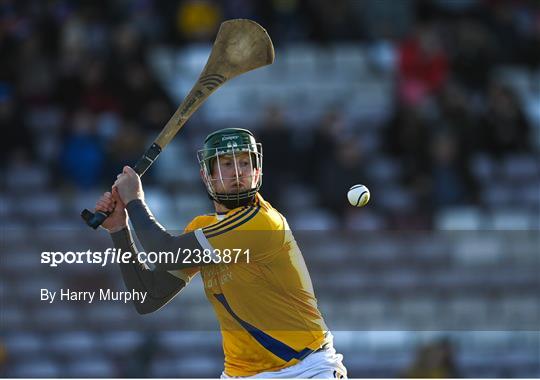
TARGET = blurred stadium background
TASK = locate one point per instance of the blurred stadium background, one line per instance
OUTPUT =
(434, 105)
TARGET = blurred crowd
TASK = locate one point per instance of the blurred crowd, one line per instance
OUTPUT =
(448, 105)
(78, 96)
(79, 99)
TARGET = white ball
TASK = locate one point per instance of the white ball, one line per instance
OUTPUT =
(358, 195)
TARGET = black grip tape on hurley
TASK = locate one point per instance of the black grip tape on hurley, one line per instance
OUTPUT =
(95, 220)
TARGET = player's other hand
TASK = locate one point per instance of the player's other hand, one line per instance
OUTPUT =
(128, 184)
(111, 202)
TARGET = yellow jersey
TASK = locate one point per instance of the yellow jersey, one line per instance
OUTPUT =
(265, 302)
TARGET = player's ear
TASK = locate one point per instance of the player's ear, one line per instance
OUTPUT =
(257, 175)
(203, 176)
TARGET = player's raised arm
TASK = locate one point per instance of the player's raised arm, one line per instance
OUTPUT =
(160, 287)
(152, 236)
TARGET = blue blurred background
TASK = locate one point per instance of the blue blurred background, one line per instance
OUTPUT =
(434, 105)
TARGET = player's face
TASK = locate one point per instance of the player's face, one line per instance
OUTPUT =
(234, 174)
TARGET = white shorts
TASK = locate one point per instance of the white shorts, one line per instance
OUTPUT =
(326, 364)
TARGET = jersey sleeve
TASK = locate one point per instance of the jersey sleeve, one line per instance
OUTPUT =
(251, 229)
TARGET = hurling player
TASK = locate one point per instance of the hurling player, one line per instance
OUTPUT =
(264, 302)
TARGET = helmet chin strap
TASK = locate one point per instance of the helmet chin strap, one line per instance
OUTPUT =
(240, 200)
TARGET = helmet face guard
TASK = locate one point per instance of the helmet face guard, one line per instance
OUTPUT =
(230, 143)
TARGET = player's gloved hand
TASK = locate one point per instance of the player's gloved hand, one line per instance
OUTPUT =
(129, 185)
(111, 202)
